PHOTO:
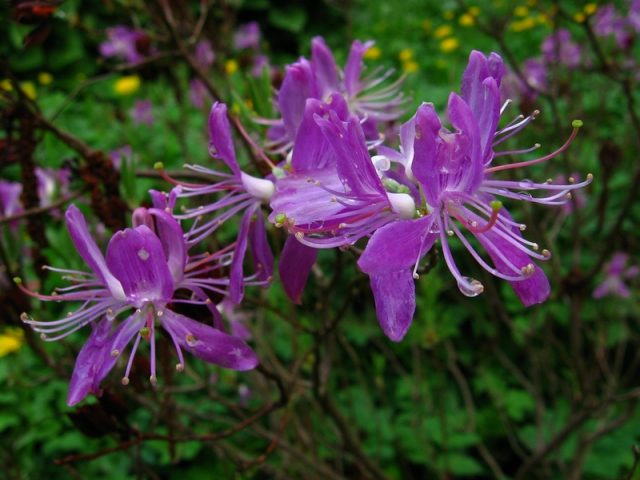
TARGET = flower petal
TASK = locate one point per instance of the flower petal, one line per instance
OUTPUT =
(220, 140)
(324, 67)
(236, 275)
(395, 299)
(297, 86)
(136, 258)
(208, 343)
(97, 357)
(172, 239)
(295, 265)
(260, 249)
(90, 252)
(353, 68)
(398, 245)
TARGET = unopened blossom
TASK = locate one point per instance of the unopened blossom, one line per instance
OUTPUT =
(455, 170)
(126, 43)
(559, 48)
(617, 273)
(367, 96)
(129, 292)
(236, 193)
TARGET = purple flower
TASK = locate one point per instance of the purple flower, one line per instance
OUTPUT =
(198, 93)
(320, 78)
(129, 291)
(142, 113)
(119, 154)
(125, 43)
(634, 15)
(535, 74)
(616, 274)
(10, 198)
(607, 21)
(204, 54)
(237, 193)
(559, 48)
(453, 169)
(247, 36)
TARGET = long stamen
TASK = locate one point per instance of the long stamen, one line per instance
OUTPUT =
(125, 379)
(159, 166)
(576, 124)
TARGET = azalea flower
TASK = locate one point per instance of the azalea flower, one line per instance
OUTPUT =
(238, 193)
(616, 272)
(320, 78)
(126, 43)
(129, 292)
(455, 172)
(560, 48)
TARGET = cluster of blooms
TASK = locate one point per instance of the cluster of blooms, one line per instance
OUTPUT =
(559, 49)
(335, 184)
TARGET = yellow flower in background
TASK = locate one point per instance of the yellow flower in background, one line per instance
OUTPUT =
(590, 8)
(410, 67)
(449, 45)
(532, 3)
(231, 66)
(405, 55)
(45, 78)
(543, 19)
(426, 25)
(127, 85)
(466, 20)
(29, 90)
(580, 17)
(474, 11)
(524, 24)
(443, 31)
(373, 53)
(10, 341)
(521, 11)
(6, 85)
(448, 15)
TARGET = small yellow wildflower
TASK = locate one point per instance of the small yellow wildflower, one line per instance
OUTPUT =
(231, 66)
(426, 25)
(580, 17)
(6, 85)
(127, 85)
(410, 67)
(532, 3)
(45, 78)
(10, 341)
(443, 31)
(249, 103)
(466, 20)
(449, 44)
(521, 11)
(590, 8)
(524, 24)
(543, 19)
(474, 11)
(29, 90)
(373, 53)
(405, 55)
(448, 15)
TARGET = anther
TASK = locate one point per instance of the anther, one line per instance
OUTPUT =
(571, 180)
(416, 276)
(522, 227)
(527, 270)
(24, 317)
(546, 253)
(191, 339)
(115, 352)
(153, 380)
(125, 381)
(43, 336)
(160, 313)
(535, 247)
(179, 367)
(450, 233)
